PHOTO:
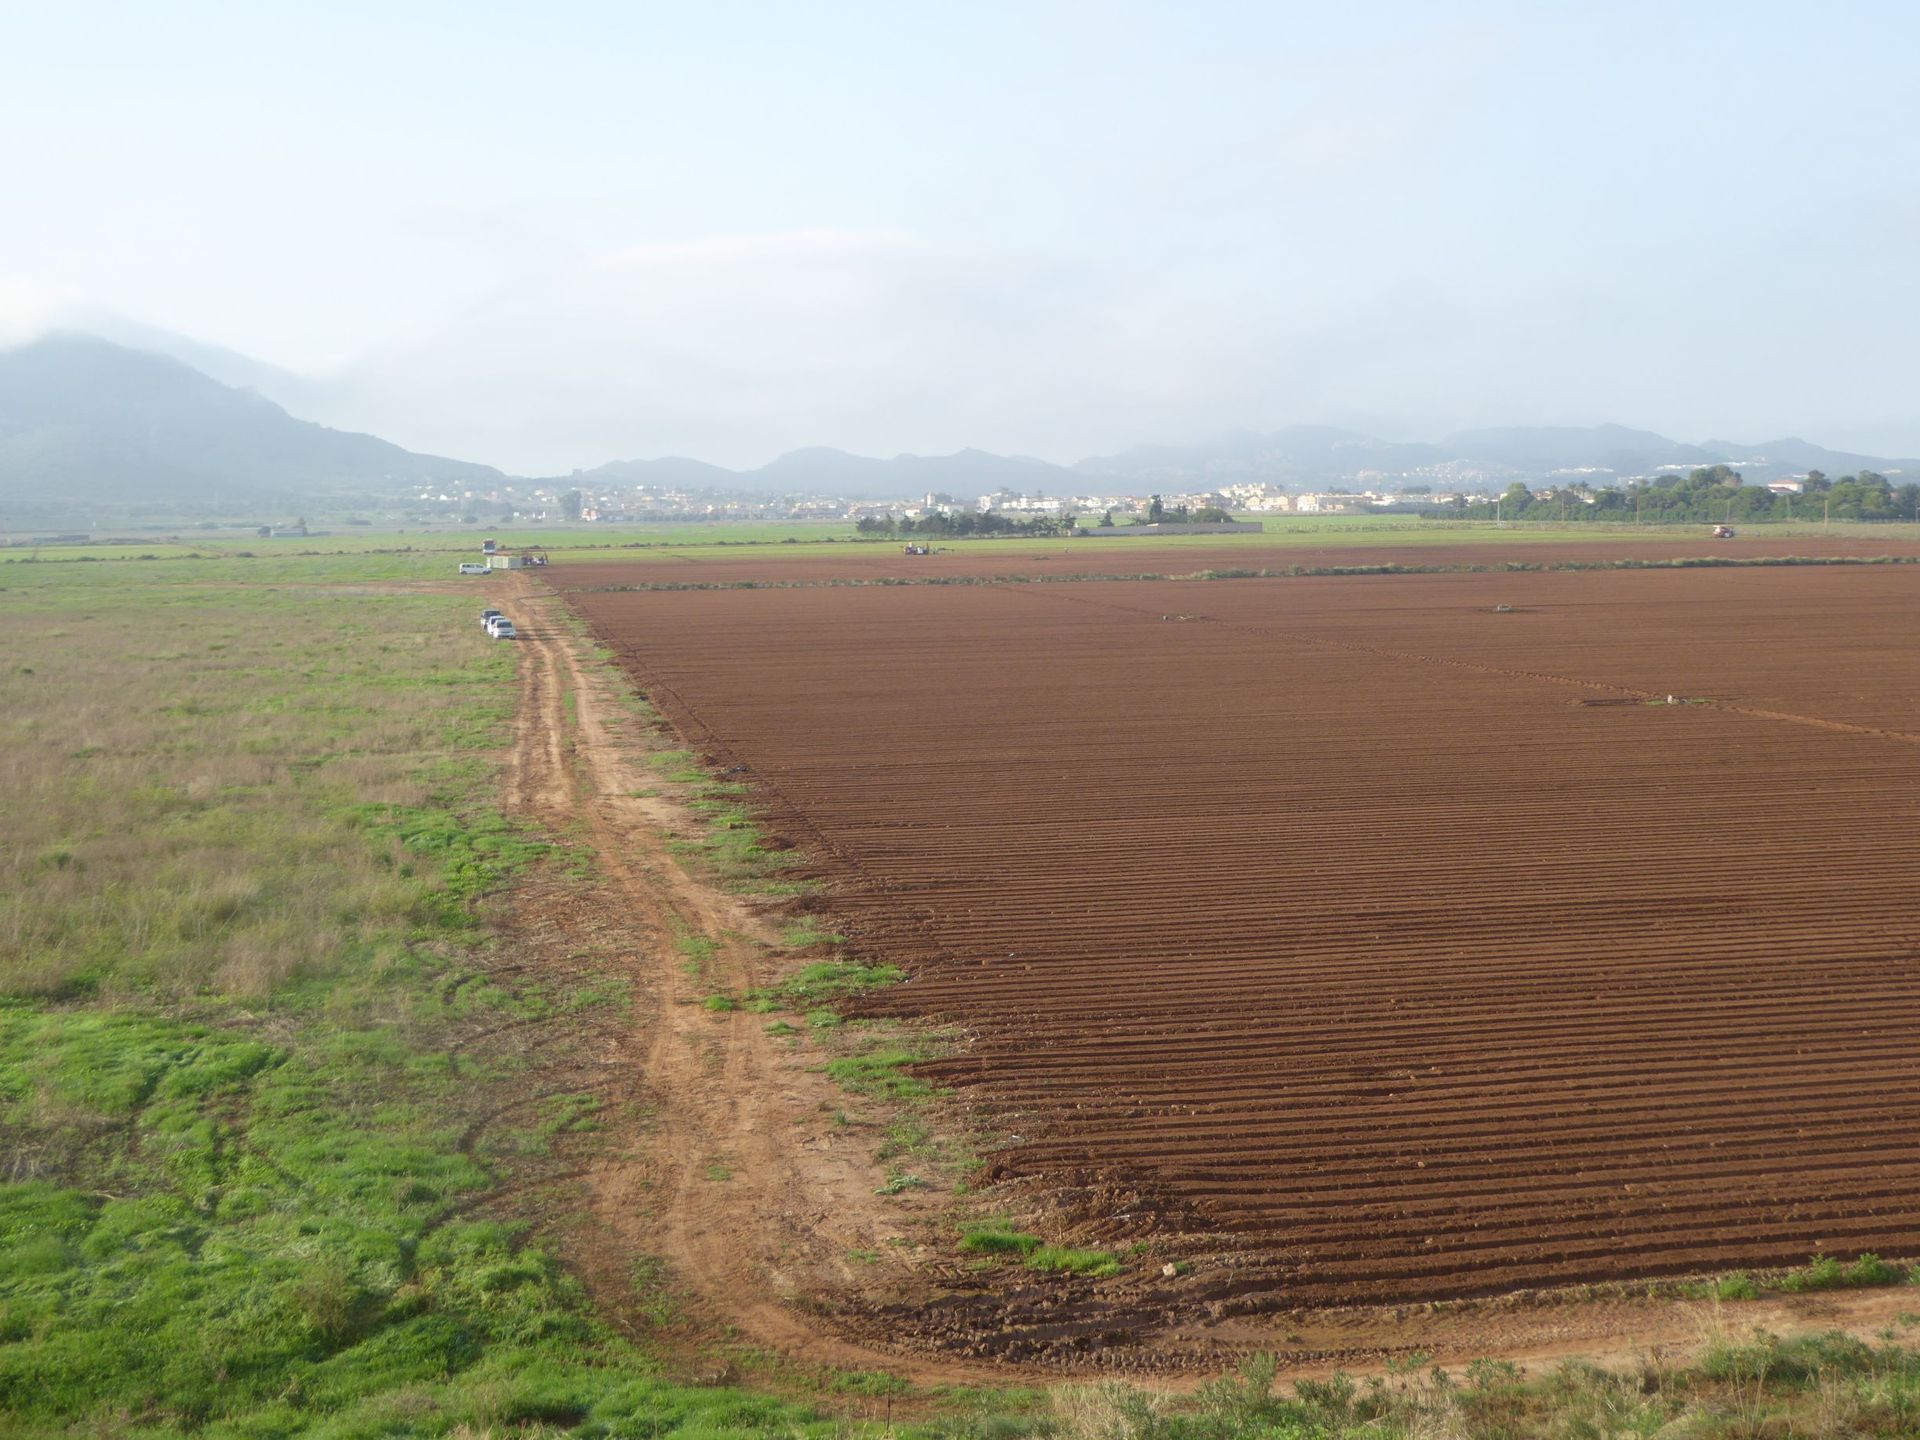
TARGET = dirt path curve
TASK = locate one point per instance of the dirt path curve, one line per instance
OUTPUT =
(737, 1184)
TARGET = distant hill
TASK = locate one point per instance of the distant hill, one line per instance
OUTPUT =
(1600, 454)
(672, 472)
(1297, 455)
(1543, 449)
(821, 471)
(1300, 457)
(85, 422)
(1801, 456)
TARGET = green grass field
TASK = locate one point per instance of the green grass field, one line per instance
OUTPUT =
(244, 899)
(260, 1145)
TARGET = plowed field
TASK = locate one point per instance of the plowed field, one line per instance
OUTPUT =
(872, 561)
(1367, 940)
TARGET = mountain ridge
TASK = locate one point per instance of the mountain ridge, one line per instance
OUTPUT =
(74, 416)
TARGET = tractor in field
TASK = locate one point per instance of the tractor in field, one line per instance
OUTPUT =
(1723, 532)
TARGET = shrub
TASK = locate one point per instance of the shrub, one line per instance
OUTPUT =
(1736, 1286)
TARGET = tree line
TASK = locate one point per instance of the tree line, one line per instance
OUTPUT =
(1710, 494)
(966, 523)
(991, 523)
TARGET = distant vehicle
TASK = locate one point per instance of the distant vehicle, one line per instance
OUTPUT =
(919, 550)
(487, 617)
(469, 567)
(487, 547)
(502, 629)
(494, 622)
(1723, 532)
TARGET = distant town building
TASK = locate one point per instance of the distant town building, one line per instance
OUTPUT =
(1006, 502)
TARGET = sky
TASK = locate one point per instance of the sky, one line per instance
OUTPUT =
(550, 236)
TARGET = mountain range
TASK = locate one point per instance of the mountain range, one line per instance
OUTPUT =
(1298, 457)
(143, 419)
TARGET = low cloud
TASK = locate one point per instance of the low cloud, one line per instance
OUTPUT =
(737, 348)
(27, 311)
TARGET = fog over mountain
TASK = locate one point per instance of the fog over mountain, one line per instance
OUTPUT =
(84, 421)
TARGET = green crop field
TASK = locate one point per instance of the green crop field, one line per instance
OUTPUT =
(260, 1139)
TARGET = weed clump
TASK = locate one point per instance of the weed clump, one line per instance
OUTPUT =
(881, 1074)
(1736, 1286)
(811, 986)
(1064, 1260)
(998, 1237)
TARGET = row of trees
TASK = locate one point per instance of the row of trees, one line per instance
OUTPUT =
(991, 523)
(1160, 513)
(965, 524)
(1712, 494)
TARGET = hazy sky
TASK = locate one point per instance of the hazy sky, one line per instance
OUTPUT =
(550, 235)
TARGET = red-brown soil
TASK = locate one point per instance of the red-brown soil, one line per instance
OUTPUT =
(820, 563)
(1356, 939)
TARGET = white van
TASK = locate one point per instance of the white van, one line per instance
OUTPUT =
(469, 567)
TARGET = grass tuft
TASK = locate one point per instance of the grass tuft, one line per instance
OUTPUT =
(998, 1237)
(881, 1074)
(1062, 1260)
(812, 986)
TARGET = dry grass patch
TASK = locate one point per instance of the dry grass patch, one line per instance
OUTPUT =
(192, 815)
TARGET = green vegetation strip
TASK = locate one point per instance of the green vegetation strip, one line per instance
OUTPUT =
(1752, 1388)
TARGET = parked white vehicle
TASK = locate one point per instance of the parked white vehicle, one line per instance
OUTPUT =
(502, 629)
(468, 567)
(487, 617)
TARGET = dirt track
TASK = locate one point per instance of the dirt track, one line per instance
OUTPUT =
(1360, 942)
(731, 1176)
